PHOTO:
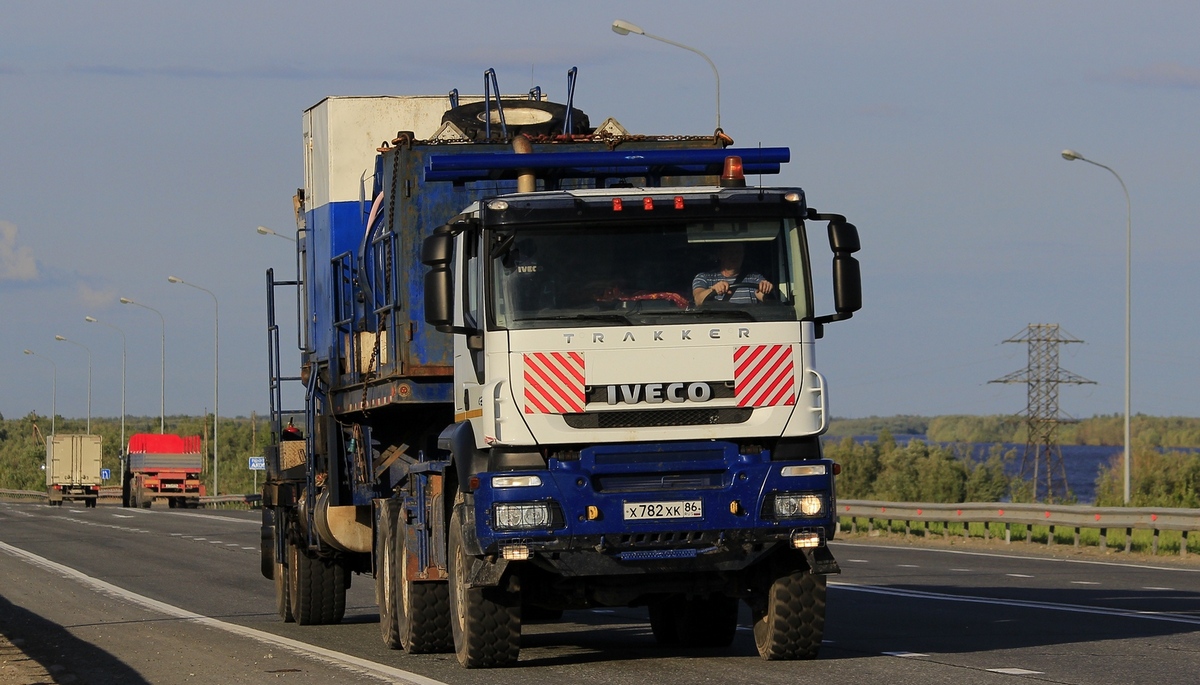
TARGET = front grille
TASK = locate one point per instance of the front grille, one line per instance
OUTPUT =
(652, 482)
(658, 418)
(670, 539)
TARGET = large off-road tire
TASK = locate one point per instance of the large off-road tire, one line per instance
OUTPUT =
(709, 622)
(790, 623)
(316, 586)
(533, 117)
(266, 544)
(486, 622)
(422, 608)
(385, 574)
(283, 601)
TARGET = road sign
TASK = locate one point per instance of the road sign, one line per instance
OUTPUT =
(258, 463)
(105, 474)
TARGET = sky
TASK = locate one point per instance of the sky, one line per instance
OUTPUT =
(141, 140)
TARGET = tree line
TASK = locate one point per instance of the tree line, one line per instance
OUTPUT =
(1148, 431)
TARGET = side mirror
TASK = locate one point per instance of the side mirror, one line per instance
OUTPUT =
(437, 252)
(847, 279)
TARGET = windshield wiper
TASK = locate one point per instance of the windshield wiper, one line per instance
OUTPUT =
(620, 318)
(710, 313)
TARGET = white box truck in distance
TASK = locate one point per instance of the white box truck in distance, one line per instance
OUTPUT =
(73, 468)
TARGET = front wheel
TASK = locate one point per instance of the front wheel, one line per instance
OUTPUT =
(485, 622)
(790, 621)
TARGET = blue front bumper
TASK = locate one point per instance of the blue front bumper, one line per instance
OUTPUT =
(595, 503)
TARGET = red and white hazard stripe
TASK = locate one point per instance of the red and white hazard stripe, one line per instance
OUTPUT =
(763, 376)
(554, 383)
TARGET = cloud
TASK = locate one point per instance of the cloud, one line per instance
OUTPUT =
(1161, 75)
(96, 298)
(16, 262)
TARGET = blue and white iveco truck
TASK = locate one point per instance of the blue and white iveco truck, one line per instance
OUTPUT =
(548, 366)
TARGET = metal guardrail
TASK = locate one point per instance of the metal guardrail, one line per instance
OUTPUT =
(1050, 515)
(110, 492)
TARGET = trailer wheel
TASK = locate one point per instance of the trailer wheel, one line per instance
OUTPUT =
(709, 622)
(486, 622)
(422, 608)
(283, 601)
(385, 574)
(316, 586)
(790, 622)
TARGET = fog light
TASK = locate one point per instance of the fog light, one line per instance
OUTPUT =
(805, 539)
(515, 552)
(794, 505)
(516, 516)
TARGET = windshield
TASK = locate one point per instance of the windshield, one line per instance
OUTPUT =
(619, 275)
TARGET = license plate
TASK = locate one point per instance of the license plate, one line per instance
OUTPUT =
(644, 511)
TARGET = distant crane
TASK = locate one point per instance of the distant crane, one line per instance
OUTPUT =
(1042, 376)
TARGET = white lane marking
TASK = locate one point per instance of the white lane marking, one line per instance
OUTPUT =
(249, 548)
(1022, 603)
(211, 517)
(216, 542)
(961, 570)
(180, 535)
(1016, 556)
(1084, 582)
(122, 516)
(1017, 575)
(1014, 671)
(908, 566)
(858, 561)
(231, 544)
(1151, 587)
(328, 656)
(905, 655)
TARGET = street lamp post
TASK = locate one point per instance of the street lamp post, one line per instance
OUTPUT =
(263, 230)
(89, 395)
(625, 28)
(162, 419)
(53, 387)
(1071, 155)
(122, 446)
(216, 370)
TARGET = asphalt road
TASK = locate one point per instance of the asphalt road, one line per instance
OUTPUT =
(112, 595)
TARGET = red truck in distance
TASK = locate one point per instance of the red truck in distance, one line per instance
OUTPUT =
(165, 467)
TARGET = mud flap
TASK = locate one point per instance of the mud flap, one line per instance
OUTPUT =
(821, 561)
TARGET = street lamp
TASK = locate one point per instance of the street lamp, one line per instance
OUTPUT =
(625, 28)
(53, 387)
(162, 418)
(263, 230)
(89, 396)
(1070, 156)
(121, 448)
(216, 369)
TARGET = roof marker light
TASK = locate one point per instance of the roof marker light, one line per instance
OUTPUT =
(647, 203)
(733, 176)
(617, 204)
(678, 202)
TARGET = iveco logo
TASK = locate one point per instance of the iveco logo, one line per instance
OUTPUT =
(657, 393)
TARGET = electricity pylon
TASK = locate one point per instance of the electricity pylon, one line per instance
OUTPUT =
(1043, 456)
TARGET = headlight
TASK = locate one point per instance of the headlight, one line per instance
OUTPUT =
(518, 516)
(797, 505)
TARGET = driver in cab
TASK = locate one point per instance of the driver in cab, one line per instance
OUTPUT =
(727, 283)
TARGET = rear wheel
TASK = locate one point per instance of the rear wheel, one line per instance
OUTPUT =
(316, 586)
(486, 622)
(422, 607)
(790, 622)
(283, 602)
(385, 574)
